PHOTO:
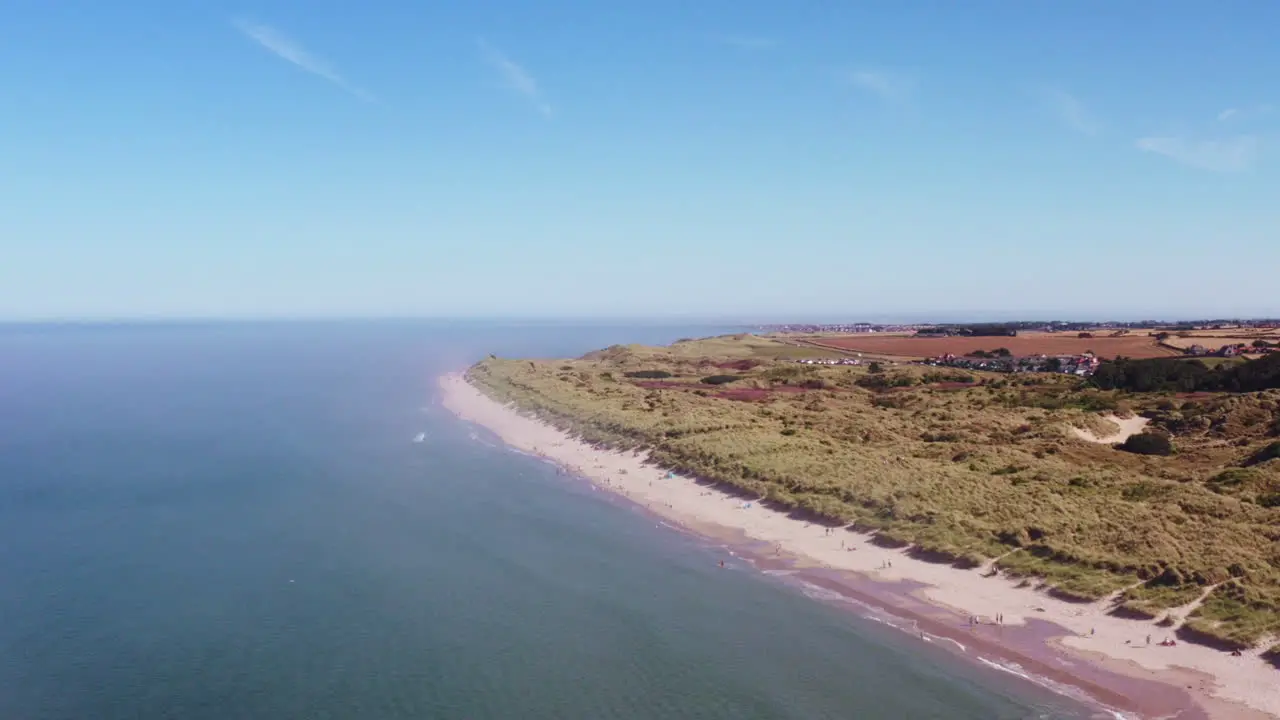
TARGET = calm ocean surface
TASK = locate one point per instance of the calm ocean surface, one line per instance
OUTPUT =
(232, 521)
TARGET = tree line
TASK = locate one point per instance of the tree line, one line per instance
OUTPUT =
(1179, 375)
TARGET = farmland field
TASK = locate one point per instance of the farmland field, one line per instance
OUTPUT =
(1131, 346)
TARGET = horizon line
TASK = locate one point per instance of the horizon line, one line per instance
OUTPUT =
(913, 318)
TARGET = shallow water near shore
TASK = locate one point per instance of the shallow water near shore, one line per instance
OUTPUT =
(212, 521)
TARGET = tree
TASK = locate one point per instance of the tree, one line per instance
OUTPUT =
(1147, 444)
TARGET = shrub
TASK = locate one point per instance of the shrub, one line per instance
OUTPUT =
(891, 401)
(875, 367)
(1147, 444)
(719, 379)
(1270, 452)
(649, 374)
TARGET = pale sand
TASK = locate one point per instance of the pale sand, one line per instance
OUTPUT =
(1128, 427)
(1247, 680)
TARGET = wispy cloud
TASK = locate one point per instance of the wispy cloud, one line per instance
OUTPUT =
(515, 76)
(890, 86)
(1226, 155)
(1069, 109)
(1241, 114)
(747, 42)
(285, 48)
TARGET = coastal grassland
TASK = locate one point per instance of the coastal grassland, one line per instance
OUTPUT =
(960, 467)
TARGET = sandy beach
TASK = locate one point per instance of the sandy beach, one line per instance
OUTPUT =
(1076, 643)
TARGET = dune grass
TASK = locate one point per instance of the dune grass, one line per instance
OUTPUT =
(961, 468)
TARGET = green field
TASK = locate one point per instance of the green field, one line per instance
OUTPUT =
(962, 466)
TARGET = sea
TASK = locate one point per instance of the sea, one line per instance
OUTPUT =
(279, 520)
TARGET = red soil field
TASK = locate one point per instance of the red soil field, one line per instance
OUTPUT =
(1131, 346)
(745, 395)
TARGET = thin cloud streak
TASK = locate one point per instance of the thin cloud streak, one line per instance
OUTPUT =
(1070, 110)
(515, 76)
(889, 86)
(291, 51)
(1224, 155)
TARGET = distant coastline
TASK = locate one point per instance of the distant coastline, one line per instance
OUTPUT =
(1019, 629)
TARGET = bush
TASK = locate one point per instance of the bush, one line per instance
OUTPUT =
(719, 379)
(875, 367)
(1270, 452)
(649, 374)
(1180, 375)
(1147, 444)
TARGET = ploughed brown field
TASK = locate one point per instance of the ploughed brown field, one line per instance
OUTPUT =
(1130, 346)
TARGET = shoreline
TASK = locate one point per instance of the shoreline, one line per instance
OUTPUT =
(1076, 645)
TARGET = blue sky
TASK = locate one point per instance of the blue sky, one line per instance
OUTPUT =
(739, 159)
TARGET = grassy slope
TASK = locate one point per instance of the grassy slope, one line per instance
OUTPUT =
(963, 473)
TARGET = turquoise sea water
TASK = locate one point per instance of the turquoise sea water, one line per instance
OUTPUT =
(232, 521)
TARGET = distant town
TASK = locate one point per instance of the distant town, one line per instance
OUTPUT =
(1028, 325)
(1074, 348)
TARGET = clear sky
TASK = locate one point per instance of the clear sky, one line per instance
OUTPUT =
(714, 158)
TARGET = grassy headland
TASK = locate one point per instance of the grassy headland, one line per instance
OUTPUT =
(961, 466)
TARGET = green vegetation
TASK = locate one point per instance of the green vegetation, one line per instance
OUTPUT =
(649, 374)
(718, 379)
(1147, 444)
(1270, 452)
(963, 471)
(997, 353)
(1182, 375)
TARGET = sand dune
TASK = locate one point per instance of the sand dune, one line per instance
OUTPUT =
(1128, 426)
(1226, 683)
